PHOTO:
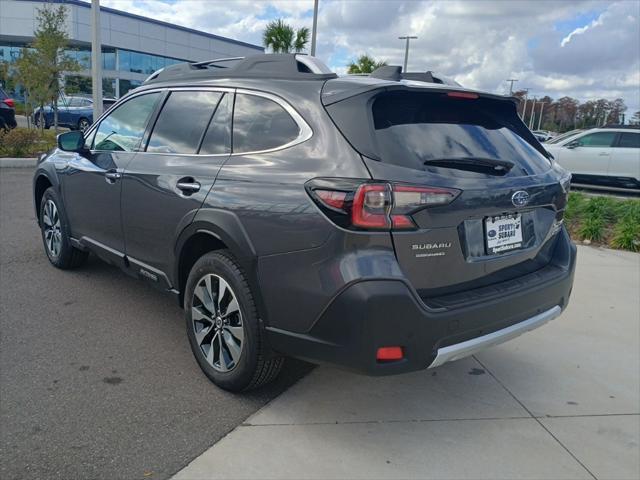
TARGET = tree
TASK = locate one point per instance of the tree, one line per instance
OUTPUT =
(41, 67)
(282, 38)
(365, 64)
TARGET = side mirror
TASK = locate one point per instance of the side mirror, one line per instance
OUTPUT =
(574, 144)
(71, 141)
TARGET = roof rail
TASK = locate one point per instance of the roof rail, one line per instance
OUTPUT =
(208, 63)
(280, 65)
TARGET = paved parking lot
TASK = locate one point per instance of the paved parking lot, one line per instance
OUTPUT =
(97, 381)
(560, 402)
(96, 376)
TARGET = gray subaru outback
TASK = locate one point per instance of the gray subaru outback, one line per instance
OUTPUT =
(383, 223)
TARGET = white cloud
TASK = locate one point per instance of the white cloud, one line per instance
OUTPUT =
(479, 43)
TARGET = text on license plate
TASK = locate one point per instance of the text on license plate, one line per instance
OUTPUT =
(503, 233)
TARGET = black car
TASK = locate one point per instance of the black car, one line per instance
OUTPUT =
(7, 112)
(378, 223)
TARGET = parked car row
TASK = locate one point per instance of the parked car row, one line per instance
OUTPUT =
(607, 156)
(74, 112)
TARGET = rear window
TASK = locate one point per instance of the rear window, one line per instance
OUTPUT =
(629, 140)
(2, 94)
(417, 130)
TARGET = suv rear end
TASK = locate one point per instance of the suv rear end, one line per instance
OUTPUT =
(472, 210)
(7, 111)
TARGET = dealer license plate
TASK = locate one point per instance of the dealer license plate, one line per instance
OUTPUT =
(503, 233)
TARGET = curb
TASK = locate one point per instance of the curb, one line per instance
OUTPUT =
(18, 162)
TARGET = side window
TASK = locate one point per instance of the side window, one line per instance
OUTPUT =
(260, 124)
(599, 139)
(182, 122)
(123, 129)
(629, 140)
(218, 137)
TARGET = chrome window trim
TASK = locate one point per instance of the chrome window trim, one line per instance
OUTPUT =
(304, 130)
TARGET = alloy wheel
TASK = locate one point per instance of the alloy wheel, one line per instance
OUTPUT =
(52, 228)
(217, 323)
(83, 125)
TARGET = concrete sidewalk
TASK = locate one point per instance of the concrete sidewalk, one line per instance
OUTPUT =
(560, 402)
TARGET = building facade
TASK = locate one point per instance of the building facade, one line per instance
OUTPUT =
(133, 47)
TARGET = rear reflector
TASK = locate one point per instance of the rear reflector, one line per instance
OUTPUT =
(468, 95)
(389, 354)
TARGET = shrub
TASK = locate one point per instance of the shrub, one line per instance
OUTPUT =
(607, 220)
(25, 142)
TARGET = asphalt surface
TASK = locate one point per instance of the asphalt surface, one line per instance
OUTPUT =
(97, 379)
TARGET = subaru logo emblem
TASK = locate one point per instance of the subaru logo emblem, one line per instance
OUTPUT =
(520, 198)
(492, 233)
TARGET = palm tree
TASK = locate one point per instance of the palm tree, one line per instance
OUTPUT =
(282, 38)
(365, 64)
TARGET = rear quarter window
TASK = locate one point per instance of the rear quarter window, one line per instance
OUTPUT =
(261, 124)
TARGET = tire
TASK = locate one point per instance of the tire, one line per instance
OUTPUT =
(83, 124)
(226, 337)
(55, 233)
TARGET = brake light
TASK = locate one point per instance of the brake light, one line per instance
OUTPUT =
(375, 205)
(9, 102)
(468, 95)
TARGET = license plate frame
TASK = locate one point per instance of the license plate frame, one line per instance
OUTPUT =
(503, 233)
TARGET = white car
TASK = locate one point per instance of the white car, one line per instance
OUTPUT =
(608, 156)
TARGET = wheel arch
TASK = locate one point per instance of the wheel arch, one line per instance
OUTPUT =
(41, 183)
(211, 230)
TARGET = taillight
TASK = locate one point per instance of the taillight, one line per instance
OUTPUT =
(371, 206)
(366, 205)
(9, 102)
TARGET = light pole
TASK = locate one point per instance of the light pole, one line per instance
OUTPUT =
(524, 109)
(533, 114)
(541, 110)
(96, 59)
(406, 51)
(512, 80)
(315, 28)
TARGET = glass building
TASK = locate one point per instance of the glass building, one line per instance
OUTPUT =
(133, 47)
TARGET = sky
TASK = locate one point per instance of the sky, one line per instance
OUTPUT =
(586, 49)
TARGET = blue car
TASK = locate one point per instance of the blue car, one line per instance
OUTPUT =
(74, 113)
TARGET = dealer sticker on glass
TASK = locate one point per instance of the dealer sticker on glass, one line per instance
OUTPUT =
(503, 233)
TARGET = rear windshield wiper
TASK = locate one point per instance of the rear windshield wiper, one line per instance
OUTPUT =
(490, 166)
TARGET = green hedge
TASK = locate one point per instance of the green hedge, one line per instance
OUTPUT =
(609, 221)
(25, 142)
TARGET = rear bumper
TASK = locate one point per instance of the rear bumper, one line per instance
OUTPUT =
(370, 314)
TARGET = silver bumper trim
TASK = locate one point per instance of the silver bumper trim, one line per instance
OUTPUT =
(464, 349)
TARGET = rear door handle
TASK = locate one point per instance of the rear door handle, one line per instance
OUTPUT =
(604, 154)
(112, 175)
(188, 186)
